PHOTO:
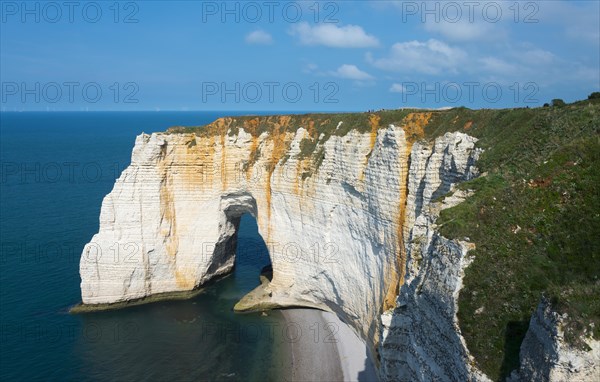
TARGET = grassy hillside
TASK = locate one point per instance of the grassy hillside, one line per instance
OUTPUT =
(535, 217)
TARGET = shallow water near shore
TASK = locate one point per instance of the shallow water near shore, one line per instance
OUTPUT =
(196, 339)
(56, 168)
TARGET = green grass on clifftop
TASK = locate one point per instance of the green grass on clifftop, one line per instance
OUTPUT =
(535, 219)
(324, 123)
(320, 126)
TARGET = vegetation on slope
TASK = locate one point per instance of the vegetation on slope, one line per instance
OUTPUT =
(320, 128)
(535, 217)
(316, 123)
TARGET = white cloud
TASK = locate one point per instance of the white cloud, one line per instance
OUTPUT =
(259, 37)
(349, 36)
(397, 88)
(310, 68)
(351, 72)
(522, 62)
(535, 57)
(430, 57)
(496, 65)
(454, 21)
(464, 30)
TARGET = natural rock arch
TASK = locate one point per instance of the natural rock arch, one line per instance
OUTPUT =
(356, 196)
(348, 210)
(233, 206)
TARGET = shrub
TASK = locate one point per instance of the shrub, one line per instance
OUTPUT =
(594, 95)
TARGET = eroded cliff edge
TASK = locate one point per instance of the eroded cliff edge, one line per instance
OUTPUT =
(421, 339)
(346, 225)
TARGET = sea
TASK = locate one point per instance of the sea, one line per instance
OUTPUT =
(56, 167)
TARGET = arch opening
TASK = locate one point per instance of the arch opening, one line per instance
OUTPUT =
(240, 250)
(252, 262)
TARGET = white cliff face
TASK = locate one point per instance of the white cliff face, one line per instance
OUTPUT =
(546, 357)
(169, 223)
(421, 340)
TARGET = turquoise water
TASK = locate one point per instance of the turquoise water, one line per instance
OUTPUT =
(56, 168)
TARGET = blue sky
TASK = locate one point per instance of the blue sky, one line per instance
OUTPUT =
(296, 56)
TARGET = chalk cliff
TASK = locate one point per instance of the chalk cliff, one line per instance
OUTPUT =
(348, 218)
(332, 221)
(545, 355)
(421, 340)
